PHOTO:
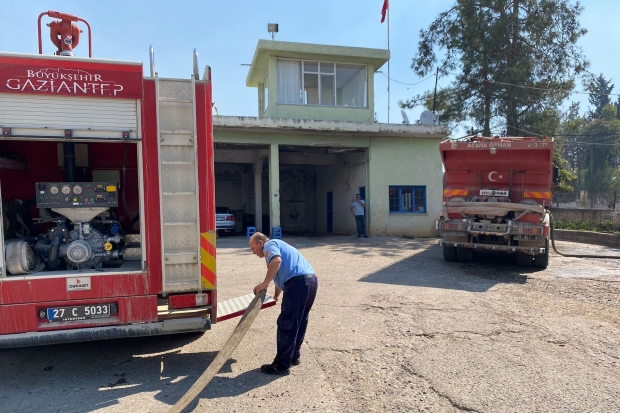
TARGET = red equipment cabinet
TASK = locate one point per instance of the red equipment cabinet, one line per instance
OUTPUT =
(496, 195)
(107, 187)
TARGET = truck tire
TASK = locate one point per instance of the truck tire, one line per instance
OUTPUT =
(524, 260)
(449, 253)
(465, 254)
(542, 260)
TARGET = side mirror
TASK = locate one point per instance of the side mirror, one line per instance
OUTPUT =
(556, 175)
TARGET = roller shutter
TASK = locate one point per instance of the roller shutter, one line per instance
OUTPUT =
(49, 116)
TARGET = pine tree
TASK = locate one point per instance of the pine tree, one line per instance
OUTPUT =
(599, 89)
(495, 47)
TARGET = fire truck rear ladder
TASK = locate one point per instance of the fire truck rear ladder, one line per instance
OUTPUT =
(178, 171)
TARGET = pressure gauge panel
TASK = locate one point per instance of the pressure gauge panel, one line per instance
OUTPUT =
(76, 194)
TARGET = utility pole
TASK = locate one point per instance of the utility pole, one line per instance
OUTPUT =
(435, 94)
(389, 78)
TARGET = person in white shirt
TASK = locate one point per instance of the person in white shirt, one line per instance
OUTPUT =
(357, 210)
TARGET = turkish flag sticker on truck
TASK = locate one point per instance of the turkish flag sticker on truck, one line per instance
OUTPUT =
(70, 77)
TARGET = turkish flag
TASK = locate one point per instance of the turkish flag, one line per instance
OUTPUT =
(384, 10)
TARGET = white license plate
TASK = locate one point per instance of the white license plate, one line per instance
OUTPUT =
(219, 219)
(78, 312)
(493, 192)
(528, 237)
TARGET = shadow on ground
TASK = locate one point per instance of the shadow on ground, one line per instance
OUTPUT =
(85, 377)
(427, 268)
(386, 246)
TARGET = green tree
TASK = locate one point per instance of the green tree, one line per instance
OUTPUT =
(568, 141)
(601, 149)
(496, 46)
(566, 176)
(599, 89)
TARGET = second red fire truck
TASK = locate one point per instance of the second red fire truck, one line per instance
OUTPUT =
(497, 192)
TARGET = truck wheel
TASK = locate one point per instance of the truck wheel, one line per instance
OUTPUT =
(449, 253)
(542, 260)
(465, 254)
(524, 260)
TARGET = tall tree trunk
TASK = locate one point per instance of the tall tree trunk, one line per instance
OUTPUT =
(486, 130)
(487, 115)
(512, 121)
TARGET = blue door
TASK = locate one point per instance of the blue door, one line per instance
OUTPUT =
(363, 192)
(330, 213)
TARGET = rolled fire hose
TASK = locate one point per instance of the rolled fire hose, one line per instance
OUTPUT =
(224, 354)
(611, 257)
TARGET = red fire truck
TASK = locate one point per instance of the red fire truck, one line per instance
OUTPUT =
(107, 188)
(496, 197)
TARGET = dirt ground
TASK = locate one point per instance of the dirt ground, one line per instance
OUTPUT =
(394, 329)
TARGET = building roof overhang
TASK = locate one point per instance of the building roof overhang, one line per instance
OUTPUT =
(308, 51)
(322, 127)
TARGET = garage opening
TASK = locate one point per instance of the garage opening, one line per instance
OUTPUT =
(317, 186)
(241, 176)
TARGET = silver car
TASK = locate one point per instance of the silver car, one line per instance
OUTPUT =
(224, 219)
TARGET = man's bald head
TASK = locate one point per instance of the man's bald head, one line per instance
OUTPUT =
(257, 240)
(259, 236)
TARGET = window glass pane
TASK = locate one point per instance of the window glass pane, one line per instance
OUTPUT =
(311, 89)
(406, 199)
(327, 67)
(394, 200)
(311, 67)
(327, 90)
(289, 81)
(351, 85)
(266, 91)
(420, 199)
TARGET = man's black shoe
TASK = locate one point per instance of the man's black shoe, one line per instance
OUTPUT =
(296, 362)
(275, 369)
(365, 236)
(359, 236)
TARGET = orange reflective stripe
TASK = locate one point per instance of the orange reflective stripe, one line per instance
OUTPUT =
(537, 195)
(207, 260)
(455, 192)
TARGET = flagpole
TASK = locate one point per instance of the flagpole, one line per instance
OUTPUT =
(388, 27)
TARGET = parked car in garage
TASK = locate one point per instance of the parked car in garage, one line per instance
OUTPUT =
(224, 219)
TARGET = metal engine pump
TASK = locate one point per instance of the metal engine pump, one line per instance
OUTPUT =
(87, 247)
(96, 238)
(82, 247)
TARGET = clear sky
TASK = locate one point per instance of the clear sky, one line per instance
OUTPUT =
(226, 32)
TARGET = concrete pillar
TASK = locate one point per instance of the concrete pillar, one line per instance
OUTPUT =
(274, 185)
(258, 194)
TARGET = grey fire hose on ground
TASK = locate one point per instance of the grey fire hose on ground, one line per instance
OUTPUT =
(224, 354)
(611, 257)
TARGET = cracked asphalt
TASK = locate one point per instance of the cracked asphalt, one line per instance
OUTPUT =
(394, 329)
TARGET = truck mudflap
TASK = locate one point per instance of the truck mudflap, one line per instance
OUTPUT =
(183, 325)
(235, 307)
(494, 247)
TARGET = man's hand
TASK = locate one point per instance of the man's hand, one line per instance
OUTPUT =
(260, 287)
(276, 294)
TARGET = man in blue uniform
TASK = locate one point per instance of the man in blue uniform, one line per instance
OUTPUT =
(295, 277)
